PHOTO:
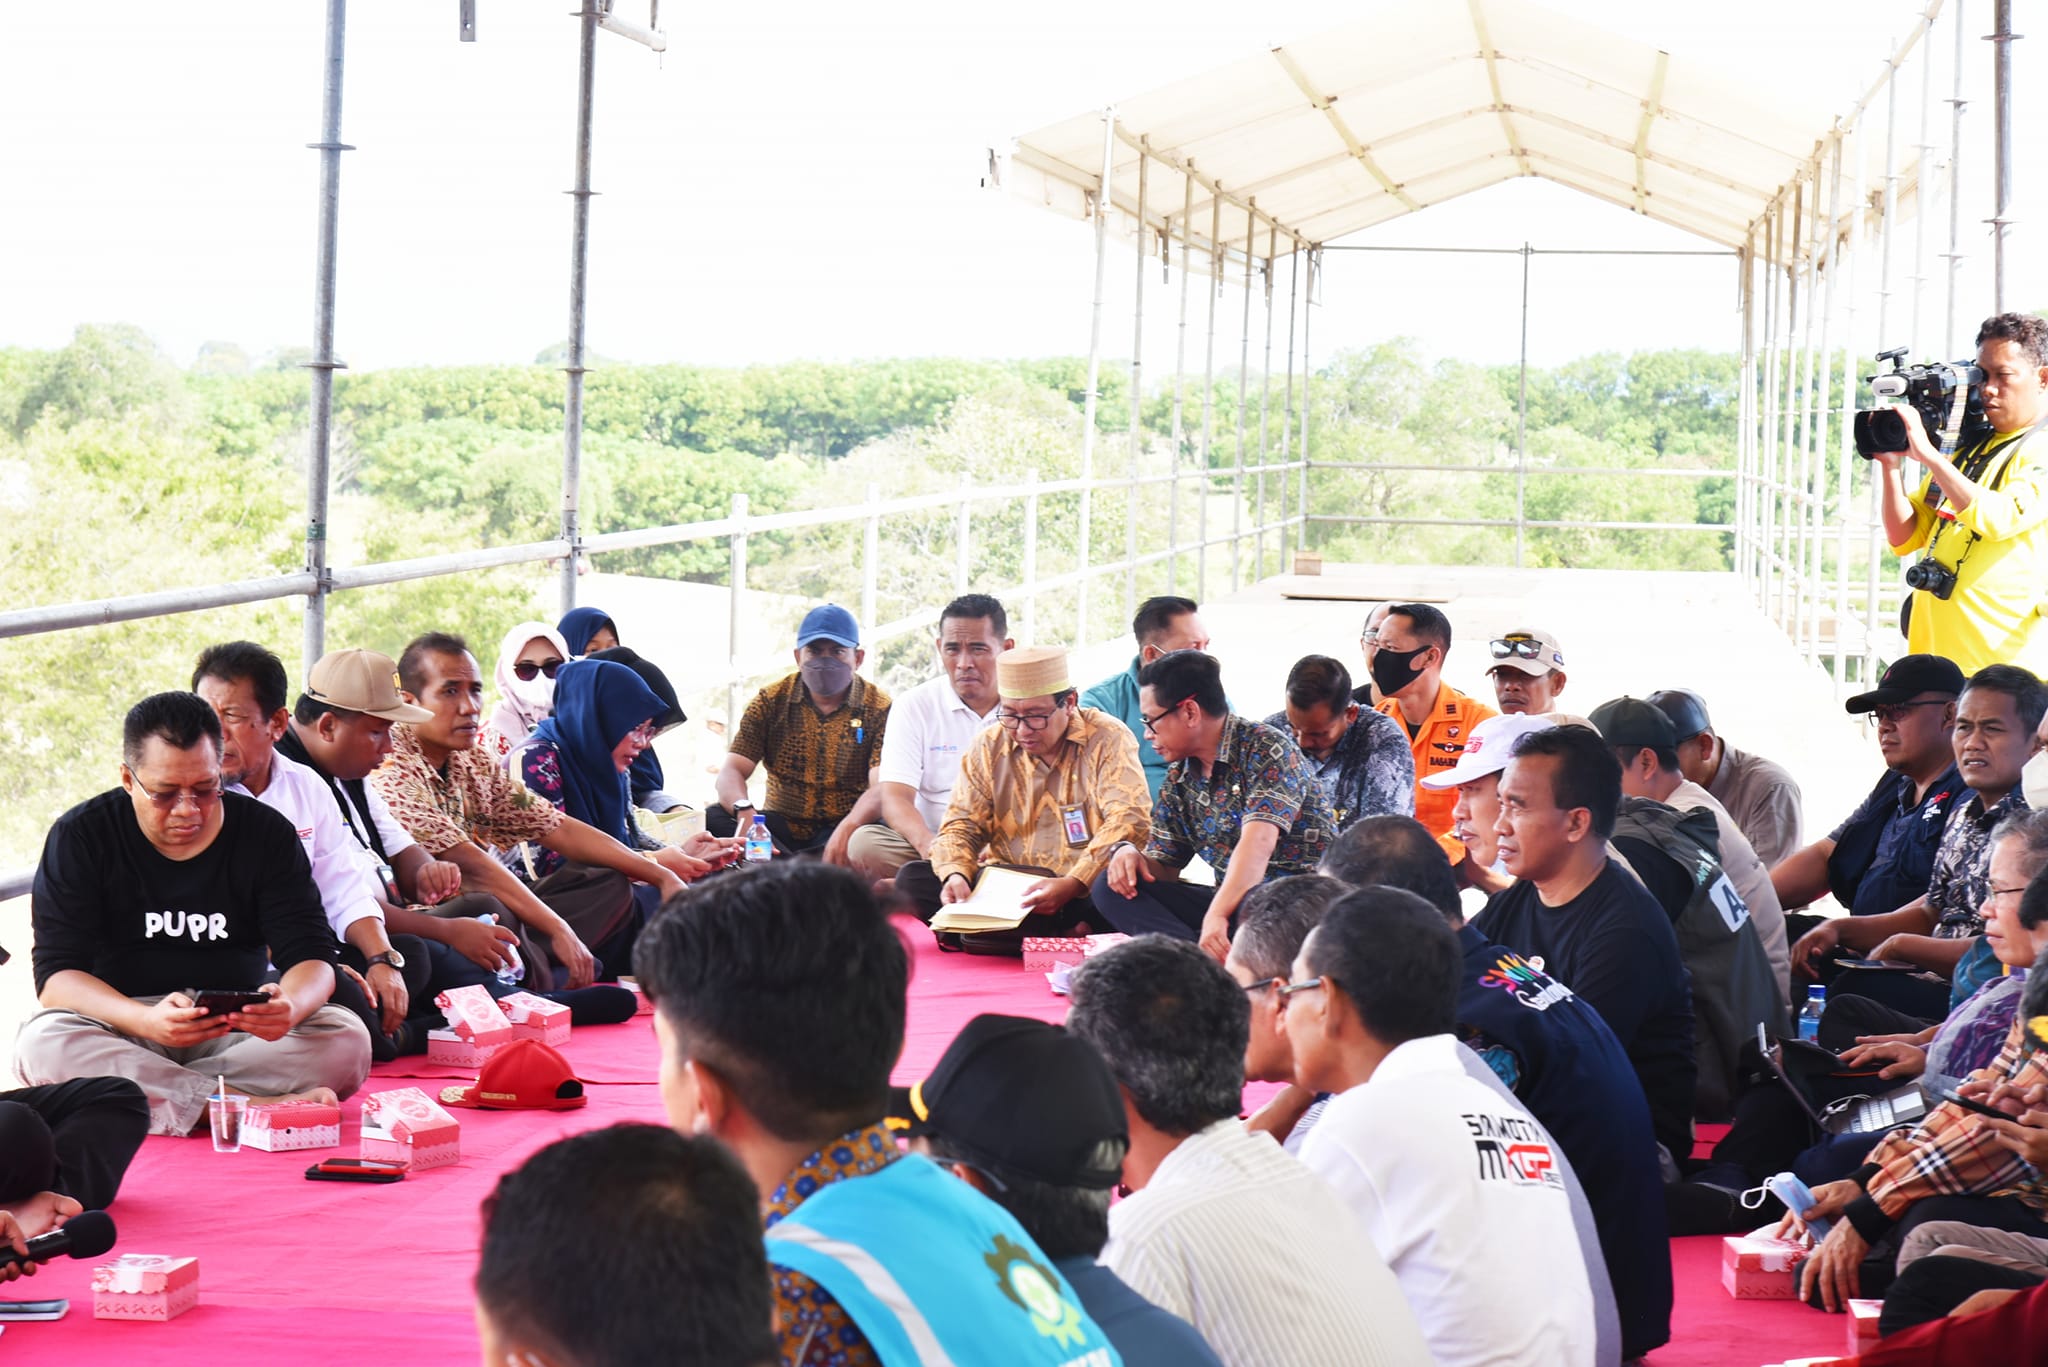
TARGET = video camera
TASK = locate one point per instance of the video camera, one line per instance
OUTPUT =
(1934, 391)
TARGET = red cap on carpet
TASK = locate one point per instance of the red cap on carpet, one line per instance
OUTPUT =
(524, 1075)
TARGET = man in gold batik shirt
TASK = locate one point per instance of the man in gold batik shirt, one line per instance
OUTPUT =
(1052, 789)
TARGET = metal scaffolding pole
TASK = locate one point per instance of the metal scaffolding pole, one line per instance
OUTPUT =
(1244, 366)
(1215, 291)
(1180, 362)
(1923, 192)
(1886, 215)
(1102, 211)
(1287, 408)
(1767, 489)
(579, 277)
(1745, 442)
(1265, 402)
(323, 365)
(1954, 255)
(1806, 601)
(1788, 583)
(1852, 312)
(1522, 419)
(1308, 304)
(1137, 395)
(1824, 373)
(2001, 160)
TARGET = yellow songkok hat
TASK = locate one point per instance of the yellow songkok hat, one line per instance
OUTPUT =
(1034, 672)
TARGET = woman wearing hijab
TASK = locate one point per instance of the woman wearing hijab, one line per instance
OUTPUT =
(645, 778)
(587, 631)
(604, 717)
(528, 659)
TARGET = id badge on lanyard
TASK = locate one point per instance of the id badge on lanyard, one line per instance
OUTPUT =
(1075, 821)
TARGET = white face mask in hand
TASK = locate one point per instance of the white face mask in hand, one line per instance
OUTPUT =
(2034, 782)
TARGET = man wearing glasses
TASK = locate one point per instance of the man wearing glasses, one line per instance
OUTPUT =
(170, 885)
(1052, 788)
(1879, 859)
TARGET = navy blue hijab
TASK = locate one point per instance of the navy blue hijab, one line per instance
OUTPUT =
(597, 704)
(578, 625)
(645, 776)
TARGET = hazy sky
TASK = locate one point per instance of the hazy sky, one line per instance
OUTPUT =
(797, 180)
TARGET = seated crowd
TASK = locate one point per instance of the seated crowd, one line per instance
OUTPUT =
(1499, 960)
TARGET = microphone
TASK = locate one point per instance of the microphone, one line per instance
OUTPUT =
(86, 1235)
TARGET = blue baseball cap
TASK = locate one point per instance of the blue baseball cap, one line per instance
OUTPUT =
(829, 623)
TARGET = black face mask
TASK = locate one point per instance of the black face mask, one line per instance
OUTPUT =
(1394, 670)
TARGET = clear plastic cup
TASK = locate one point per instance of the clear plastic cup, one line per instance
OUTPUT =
(227, 1113)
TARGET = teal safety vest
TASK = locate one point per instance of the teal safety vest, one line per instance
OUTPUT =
(937, 1275)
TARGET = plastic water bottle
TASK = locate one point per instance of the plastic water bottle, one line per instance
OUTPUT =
(514, 975)
(1809, 1016)
(760, 844)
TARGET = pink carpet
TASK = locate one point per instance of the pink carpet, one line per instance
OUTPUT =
(288, 1266)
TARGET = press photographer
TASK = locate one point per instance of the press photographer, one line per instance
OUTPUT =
(1981, 519)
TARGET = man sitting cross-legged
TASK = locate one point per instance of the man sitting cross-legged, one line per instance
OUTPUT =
(167, 885)
(1054, 787)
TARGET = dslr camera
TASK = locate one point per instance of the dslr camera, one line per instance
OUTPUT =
(1930, 389)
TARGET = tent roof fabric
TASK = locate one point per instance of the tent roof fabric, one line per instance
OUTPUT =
(1420, 104)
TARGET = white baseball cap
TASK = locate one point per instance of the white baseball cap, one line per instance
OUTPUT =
(1489, 747)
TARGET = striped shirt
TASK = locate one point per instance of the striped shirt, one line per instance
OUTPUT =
(1235, 1236)
(1013, 805)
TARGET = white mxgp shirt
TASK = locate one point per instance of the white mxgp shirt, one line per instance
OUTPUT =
(1465, 1196)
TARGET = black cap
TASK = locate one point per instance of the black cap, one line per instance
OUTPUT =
(1686, 709)
(1909, 677)
(1632, 724)
(1020, 1099)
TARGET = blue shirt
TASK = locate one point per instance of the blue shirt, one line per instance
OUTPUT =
(1562, 1062)
(1884, 852)
(1144, 1334)
(1118, 696)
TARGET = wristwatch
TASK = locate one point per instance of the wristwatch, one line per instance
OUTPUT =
(389, 956)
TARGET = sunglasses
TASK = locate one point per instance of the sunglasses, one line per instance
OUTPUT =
(1516, 647)
(526, 669)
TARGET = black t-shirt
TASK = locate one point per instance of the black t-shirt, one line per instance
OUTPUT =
(107, 903)
(1613, 946)
(1669, 881)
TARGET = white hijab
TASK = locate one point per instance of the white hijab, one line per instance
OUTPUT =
(524, 703)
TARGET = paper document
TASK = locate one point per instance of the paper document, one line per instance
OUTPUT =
(997, 903)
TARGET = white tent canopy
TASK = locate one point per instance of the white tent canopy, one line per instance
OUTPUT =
(1419, 104)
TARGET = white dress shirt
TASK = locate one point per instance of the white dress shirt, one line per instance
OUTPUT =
(929, 730)
(1239, 1239)
(1467, 1199)
(348, 890)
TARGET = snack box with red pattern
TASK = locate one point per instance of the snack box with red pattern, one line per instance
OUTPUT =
(536, 1018)
(144, 1286)
(408, 1127)
(1098, 943)
(474, 1016)
(1757, 1267)
(295, 1125)
(1041, 952)
(450, 1050)
(1863, 1325)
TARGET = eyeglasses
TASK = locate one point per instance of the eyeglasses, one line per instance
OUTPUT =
(2000, 892)
(201, 796)
(1261, 985)
(526, 669)
(1895, 712)
(645, 733)
(1511, 647)
(1030, 721)
(1152, 723)
(1287, 990)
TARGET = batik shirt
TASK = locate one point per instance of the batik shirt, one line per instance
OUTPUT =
(471, 799)
(1258, 775)
(1962, 866)
(1370, 772)
(811, 1328)
(818, 764)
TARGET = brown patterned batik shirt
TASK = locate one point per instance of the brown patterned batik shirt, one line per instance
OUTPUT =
(473, 799)
(818, 765)
(1015, 805)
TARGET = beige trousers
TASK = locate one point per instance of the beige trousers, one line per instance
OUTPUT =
(877, 851)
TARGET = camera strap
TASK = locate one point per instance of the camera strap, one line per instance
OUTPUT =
(1973, 467)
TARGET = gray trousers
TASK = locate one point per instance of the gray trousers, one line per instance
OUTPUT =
(330, 1048)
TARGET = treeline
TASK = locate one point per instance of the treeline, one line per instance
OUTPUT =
(122, 472)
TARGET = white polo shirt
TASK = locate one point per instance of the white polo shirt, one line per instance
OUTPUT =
(929, 730)
(1236, 1237)
(348, 891)
(1466, 1198)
